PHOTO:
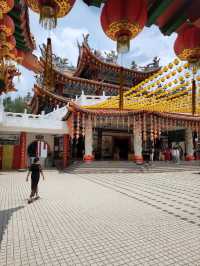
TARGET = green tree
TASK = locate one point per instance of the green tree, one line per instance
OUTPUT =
(16, 105)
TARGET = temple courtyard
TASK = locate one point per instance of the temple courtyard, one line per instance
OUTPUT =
(106, 214)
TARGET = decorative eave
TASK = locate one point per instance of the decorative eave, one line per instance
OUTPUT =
(87, 57)
(23, 36)
(68, 80)
(72, 107)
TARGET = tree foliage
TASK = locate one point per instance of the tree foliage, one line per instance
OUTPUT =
(17, 105)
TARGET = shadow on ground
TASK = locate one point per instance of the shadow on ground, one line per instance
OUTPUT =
(5, 216)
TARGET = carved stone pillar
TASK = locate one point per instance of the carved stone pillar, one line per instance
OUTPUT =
(88, 157)
(137, 141)
(189, 145)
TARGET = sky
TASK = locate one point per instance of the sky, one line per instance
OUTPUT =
(81, 20)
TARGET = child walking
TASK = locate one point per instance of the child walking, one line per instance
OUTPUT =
(35, 170)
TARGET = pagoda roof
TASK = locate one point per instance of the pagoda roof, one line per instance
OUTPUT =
(77, 84)
(87, 60)
(170, 16)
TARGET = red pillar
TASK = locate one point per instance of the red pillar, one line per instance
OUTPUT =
(23, 163)
(65, 150)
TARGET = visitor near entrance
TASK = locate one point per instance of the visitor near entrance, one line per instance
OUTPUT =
(35, 170)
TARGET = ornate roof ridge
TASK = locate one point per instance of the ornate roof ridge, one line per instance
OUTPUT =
(85, 46)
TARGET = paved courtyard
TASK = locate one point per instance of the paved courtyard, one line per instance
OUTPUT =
(101, 219)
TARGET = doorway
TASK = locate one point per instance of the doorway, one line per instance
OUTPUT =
(120, 148)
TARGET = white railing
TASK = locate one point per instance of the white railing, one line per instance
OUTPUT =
(86, 100)
(50, 123)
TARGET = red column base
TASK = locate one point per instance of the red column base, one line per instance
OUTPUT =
(189, 157)
(138, 159)
(88, 158)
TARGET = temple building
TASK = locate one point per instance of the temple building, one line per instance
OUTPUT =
(155, 114)
(99, 109)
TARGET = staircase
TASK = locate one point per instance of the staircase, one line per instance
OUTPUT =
(102, 167)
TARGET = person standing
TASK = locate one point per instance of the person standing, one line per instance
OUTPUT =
(174, 154)
(177, 155)
(35, 170)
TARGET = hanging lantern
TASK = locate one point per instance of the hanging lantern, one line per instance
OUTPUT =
(11, 42)
(121, 21)
(50, 10)
(6, 6)
(187, 44)
(7, 26)
(187, 47)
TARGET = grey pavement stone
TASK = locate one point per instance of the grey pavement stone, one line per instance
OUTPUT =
(101, 219)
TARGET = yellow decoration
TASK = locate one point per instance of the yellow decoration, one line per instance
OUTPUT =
(186, 65)
(165, 69)
(149, 95)
(179, 69)
(173, 73)
(176, 61)
(187, 74)
(181, 78)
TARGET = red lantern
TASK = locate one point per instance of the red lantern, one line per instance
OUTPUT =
(6, 6)
(187, 44)
(11, 42)
(123, 20)
(7, 26)
(50, 10)
(187, 47)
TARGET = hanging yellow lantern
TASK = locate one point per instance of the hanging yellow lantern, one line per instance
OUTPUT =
(165, 68)
(50, 10)
(179, 69)
(187, 74)
(186, 65)
(176, 61)
(173, 73)
(181, 78)
(168, 76)
(170, 65)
